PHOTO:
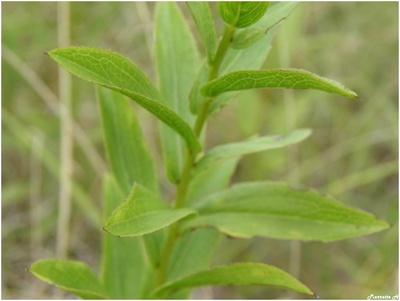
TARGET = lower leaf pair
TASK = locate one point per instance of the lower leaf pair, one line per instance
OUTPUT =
(265, 209)
(78, 278)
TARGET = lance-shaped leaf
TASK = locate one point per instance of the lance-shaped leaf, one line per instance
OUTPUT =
(237, 274)
(123, 258)
(234, 150)
(277, 12)
(177, 60)
(274, 78)
(142, 213)
(104, 67)
(278, 211)
(203, 18)
(242, 14)
(118, 73)
(72, 276)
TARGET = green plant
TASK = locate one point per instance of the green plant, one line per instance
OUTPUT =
(170, 245)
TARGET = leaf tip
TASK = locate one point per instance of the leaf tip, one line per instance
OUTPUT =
(354, 95)
(350, 93)
(310, 292)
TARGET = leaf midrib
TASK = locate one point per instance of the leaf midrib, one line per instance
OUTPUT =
(148, 214)
(283, 216)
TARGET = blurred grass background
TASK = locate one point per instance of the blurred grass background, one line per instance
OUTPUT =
(352, 154)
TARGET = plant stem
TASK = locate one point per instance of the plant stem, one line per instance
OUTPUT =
(183, 185)
(222, 48)
(213, 68)
(173, 231)
(202, 117)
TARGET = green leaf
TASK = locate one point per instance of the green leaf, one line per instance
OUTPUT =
(203, 18)
(278, 211)
(274, 78)
(128, 155)
(277, 12)
(177, 60)
(238, 274)
(116, 72)
(234, 150)
(142, 213)
(104, 67)
(72, 276)
(127, 151)
(242, 14)
(122, 259)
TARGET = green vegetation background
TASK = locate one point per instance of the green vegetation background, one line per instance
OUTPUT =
(352, 154)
